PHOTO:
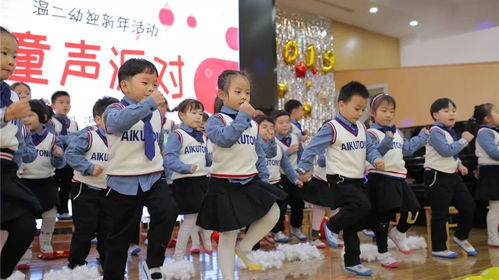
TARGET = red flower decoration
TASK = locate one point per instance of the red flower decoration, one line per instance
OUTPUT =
(300, 70)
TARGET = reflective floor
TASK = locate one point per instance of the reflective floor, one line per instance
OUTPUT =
(415, 266)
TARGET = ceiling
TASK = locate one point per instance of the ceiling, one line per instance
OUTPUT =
(437, 18)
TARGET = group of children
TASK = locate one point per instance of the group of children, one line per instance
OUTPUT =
(235, 172)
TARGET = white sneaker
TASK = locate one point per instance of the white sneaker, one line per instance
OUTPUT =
(448, 254)
(298, 234)
(64, 216)
(368, 233)
(387, 260)
(153, 273)
(465, 245)
(281, 237)
(400, 240)
(359, 270)
(318, 244)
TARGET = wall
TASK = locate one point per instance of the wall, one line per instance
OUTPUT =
(357, 48)
(472, 47)
(415, 88)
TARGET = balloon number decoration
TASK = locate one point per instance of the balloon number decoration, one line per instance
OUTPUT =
(328, 61)
(311, 55)
(290, 52)
(282, 89)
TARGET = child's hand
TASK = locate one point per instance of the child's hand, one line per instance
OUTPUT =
(194, 168)
(426, 130)
(97, 170)
(158, 98)
(304, 138)
(57, 151)
(468, 136)
(247, 108)
(305, 132)
(17, 110)
(379, 164)
(292, 149)
(305, 177)
(299, 184)
(462, 169)
(389, 134)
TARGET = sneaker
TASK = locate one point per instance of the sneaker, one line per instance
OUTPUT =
(387, 260)
(64, 216)
(465, 245)
(368, 233)
(298, 234)
(359, 270)
(93, 241)
(22, 266)
(248, 260)
(281, 237)
(493, 246)
(318, 244)
(134, 250)
(400, 240)
(331, 237)
(153, 273)
(448, 254)
(195, 250)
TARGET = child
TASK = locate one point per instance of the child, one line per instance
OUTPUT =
(275, 164)
(290, 143)
(62, 126)
(443, 184)
(187, 158)
(238, 194)
(38, 175)
(19, 206)
(22, 89)
(344, 140)
(87, 154)
(295, 110)
(388, 189)
(134, 170)
(487, 151)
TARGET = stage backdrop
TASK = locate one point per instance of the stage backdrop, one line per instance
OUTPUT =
(78, 46)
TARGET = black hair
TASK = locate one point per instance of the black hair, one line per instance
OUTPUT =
(3, 30)
(261, 118)
(41, 109)
(58, 94)
(189, 104)
(351, 89)
(292, 104)
(205, 116)
(479, 113)
(16, 84)
(218, 104)
(379, 98)
(279, 113)
(135, 66)
(439, 104)
(226, 77)
(101, 105)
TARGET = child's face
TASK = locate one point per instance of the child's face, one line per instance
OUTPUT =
(282, 125)
(353, 109)
(238, 93)
(99, 121)
(384, 114)
(32, 122)
(447, 116)
(493, 117)
(192, 118)
(297, 113)
(266, 130)
(8, 57)
(140, 86)
(24, 92)
(62, 105)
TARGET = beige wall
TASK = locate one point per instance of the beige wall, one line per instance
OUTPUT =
(415, 88)
(357, 48)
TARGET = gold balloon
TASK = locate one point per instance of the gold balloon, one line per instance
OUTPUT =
(282, 89)
(328, 61)
(307, 109)
(308, 84)
(323, 98)
(311, 55)
(290, 52)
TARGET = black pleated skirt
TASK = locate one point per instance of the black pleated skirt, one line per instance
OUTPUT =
(487, 187)
(319, 193)
(391, 194)
(45, 191)
(189, 193)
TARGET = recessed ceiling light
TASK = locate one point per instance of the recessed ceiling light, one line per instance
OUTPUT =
(373, 10)
(413, 23)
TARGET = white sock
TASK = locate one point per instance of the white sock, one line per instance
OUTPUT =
(183, 235)
(206, 235)
(226, 253)
(493, 221)
(48, 225)
(260, 228)
(195, 236)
